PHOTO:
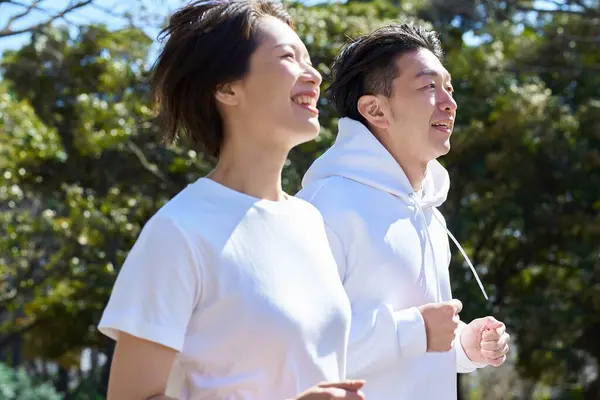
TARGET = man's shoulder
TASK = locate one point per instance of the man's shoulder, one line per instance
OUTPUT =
(336, 196)
(325, 190)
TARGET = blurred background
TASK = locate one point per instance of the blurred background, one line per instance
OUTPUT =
(81, 172)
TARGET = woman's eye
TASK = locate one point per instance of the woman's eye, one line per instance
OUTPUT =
(288, 55)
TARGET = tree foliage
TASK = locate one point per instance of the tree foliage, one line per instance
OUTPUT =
(17, 385)
(81, 171)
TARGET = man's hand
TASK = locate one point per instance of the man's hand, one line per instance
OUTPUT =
(485, 341)
(441, 321)
(344, 390)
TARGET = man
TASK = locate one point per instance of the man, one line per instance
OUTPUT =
(378, 189)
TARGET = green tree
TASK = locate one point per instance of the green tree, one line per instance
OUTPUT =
(17, 385)
(81, 171)
(524, 193)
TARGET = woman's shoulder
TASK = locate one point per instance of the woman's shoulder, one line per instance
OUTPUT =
(203, 212)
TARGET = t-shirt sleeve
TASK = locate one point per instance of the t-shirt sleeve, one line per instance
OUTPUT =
(157, 288)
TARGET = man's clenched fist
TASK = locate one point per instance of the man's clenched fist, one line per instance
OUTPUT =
(441, 321)
(485, 341)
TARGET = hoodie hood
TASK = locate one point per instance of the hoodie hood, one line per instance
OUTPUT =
(359, 156)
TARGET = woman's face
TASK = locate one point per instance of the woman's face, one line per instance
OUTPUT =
(275, 103)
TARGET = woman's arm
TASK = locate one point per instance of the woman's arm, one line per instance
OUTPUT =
(149, 309)
(140, 369)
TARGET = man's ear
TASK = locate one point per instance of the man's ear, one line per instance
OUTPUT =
(227, 94)
(373, 110)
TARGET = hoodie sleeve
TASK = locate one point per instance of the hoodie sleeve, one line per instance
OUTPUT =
(464, 365)
(379, 335)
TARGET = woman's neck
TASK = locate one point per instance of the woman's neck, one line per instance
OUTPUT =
(251, 169)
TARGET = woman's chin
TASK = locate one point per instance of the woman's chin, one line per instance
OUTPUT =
(307, 134)
(308, 127)
(312, 129)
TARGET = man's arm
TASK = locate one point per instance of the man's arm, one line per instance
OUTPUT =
(380, 335)
(375, 338)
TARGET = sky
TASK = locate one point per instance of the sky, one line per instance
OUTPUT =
(84, 15)
(159, 9)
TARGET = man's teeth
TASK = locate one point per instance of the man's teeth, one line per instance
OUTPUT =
(302, 100)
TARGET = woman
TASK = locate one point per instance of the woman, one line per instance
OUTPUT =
(233, 280)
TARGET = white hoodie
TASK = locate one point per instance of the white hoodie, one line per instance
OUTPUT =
(392, 249)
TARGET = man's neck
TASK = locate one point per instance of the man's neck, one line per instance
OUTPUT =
(415, 172)
(414, 169)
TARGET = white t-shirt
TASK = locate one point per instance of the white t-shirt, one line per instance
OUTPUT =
(247, 290)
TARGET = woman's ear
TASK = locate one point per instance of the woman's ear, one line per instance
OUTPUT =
(227, 94)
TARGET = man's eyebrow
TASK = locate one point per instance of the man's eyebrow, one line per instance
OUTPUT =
(430, 72)
(427, 72)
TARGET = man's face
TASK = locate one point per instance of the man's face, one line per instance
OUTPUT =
(420, 113)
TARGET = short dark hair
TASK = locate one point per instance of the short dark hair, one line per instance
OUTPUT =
(367, 65)
(209, 44)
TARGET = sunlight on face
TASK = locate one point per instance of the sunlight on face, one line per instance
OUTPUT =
(278, 96)
(421, 108)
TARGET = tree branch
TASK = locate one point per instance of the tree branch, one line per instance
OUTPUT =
(584, 13)
(585, 7)
(547, 11)
(8, 31)
(145, 163)
(110, 10)
(16, 17)
(7, 339)
(522, 68)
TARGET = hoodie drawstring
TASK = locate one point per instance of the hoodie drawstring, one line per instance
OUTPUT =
(464, 254)
(430, 242)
